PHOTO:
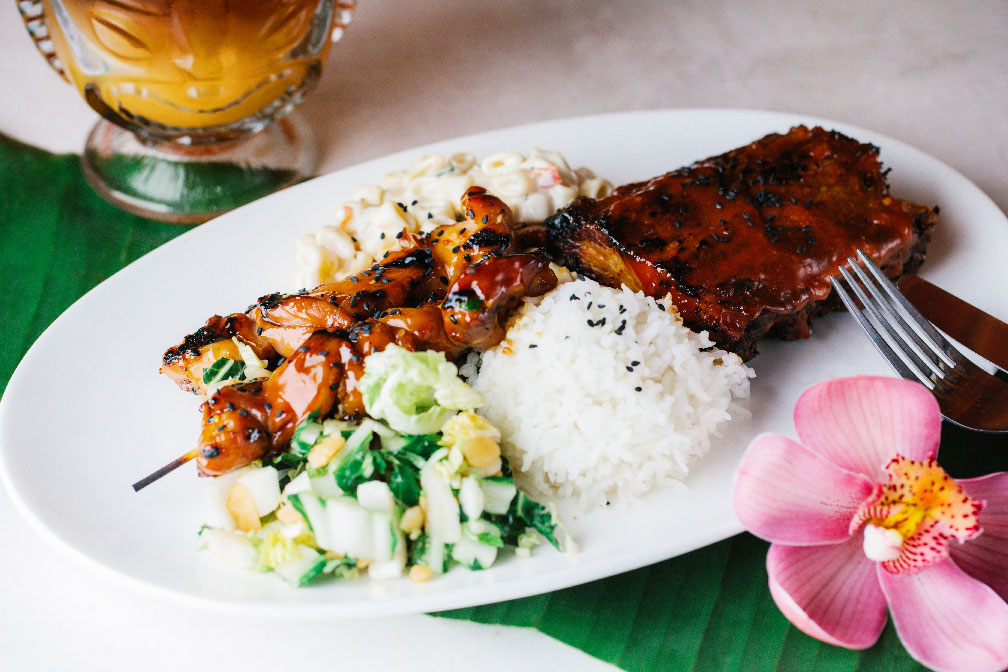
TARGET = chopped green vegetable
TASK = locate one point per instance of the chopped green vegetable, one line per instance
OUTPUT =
(343, 568)
(500, 492)
(273, 547)
(404, 484)
(223, 369)
(354, 505)
(422, 445)
(484, 532)
(249, 358)
(537, 516)
(305, 435)
(528, 539)
(415, 392)
(357, 462)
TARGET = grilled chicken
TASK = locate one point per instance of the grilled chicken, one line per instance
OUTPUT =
(745, 242)
(449, 290)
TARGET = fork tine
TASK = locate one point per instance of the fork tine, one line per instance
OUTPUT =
(897, 326)
(883, 324)
(948, 352)
(873, 334)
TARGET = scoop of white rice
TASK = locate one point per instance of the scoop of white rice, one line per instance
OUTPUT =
(600, 393)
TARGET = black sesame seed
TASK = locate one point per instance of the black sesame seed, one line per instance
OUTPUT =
(638, 389)
(354, 278)
(634, 363)
(661, 307)
(334, 386)
(399, 235)
(268, 406)
(230, 406)
(532, 345)
(221, 428)
(243, 413)
(455, 250)
(382, 236)
(280, 413)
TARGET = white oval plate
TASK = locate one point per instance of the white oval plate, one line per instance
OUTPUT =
(86, 413)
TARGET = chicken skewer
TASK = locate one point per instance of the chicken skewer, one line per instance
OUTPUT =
(449, 290)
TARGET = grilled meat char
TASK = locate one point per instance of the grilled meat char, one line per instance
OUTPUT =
(745, 242)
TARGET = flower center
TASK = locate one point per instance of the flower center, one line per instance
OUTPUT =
(909, 519)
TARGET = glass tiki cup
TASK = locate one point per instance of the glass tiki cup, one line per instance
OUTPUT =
(195, 95)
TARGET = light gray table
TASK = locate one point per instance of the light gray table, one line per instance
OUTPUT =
(932, 74)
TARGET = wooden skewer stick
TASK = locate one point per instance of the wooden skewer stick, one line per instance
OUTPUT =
(168, 468)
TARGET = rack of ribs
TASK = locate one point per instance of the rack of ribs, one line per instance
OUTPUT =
(745, 242)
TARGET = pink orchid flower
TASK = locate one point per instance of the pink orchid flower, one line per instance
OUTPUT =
(861, 516)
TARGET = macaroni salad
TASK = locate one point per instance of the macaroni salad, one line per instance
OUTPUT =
(427, 195)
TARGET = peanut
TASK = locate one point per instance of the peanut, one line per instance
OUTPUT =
(412, 519)
(325, 450)
(241, 505)
(481, 452)
(420, 573)
(288, 514)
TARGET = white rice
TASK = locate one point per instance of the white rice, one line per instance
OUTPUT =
(600, 394)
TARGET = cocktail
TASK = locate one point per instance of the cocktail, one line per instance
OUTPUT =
(195, 95)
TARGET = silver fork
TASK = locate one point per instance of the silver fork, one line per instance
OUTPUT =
(967, 395)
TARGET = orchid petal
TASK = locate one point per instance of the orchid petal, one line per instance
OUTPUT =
(787, 494)
(860, 423)
(828, 592)
(985, 557)
(948, 620)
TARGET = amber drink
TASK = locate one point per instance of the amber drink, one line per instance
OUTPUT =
(193, 77)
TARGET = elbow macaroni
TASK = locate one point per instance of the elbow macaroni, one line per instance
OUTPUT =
(427, 195)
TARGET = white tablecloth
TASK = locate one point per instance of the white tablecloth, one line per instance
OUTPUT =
(932, 74)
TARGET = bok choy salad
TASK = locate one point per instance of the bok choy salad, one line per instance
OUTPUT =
(416, 487)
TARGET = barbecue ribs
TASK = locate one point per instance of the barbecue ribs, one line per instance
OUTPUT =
(745, 242)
